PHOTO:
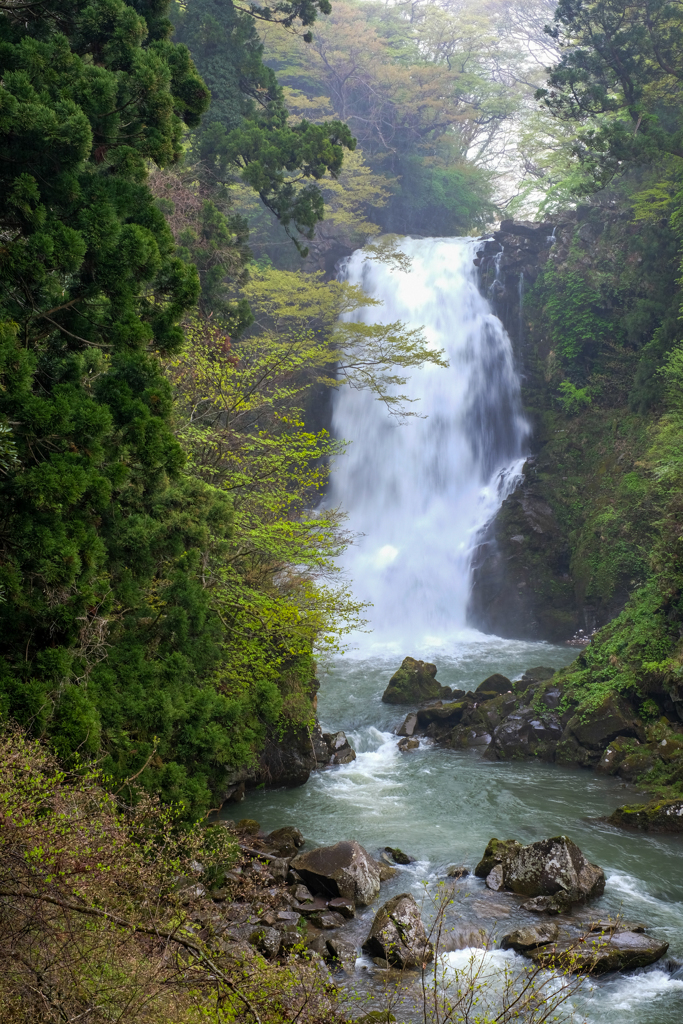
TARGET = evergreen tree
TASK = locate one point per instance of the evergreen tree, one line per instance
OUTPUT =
(247, 128)
(620, 73)
(101, 533)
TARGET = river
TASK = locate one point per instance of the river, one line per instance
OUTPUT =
(418, 495)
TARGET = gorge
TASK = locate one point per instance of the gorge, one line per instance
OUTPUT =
(422, 494)
(341, 506)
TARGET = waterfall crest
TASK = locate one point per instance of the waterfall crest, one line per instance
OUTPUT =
(418, 493)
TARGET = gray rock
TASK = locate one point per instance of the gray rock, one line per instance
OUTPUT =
(513, 737)
(322, 754)
(552, 697)
(285, 840)
(408, 727)
(345, 869)
(342, 953)
(498, 851)
(345, 756)
(340, 750)
(300, 893)
(386, 871)
(318, 944)
(456, 871)
(613, 718)
(544, 868)
(327, 919)
(540, 674)
(495, 879)
(398, 934)
(559, 903)
(398, 856)
(658, 816)
(623, 951)
(287, 917)
(267, 940)
(530, 937)
(342, 906)
(279, 868)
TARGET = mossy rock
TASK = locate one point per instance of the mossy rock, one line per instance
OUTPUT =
(494, 686)
(657, 816)
(449, 714)
(498, 851)
(615, 754)
(414, 683)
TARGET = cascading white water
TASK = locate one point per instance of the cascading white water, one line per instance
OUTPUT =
(418, 493)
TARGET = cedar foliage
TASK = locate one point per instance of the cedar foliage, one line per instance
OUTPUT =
(111, 643)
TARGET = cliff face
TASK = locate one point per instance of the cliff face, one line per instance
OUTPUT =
(584, 301)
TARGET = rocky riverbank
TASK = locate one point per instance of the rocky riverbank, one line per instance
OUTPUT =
(289, 759)
(284, 901)
(538, 716)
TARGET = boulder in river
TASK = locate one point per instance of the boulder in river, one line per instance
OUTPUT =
(551, 865)
(598, 954)
(559, 903)
(545, 868)
(530, 937)
(344, 869)
(339, 749)
(407, 744)
(657, 816)
(398, 856)
(398, 934)
(493, 686)
(498, 851)
(342, 954)
(443, 715)
(413, 683)
(408, 726)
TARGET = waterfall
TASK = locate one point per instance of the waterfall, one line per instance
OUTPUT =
(418, 493)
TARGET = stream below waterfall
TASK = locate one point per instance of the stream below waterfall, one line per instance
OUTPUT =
(442, 806)
(418, 495)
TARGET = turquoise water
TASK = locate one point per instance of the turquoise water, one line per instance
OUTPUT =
(442, 807)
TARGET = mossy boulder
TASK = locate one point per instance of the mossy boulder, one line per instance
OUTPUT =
(498, 851)
(414, 683)
(610, 719)
(615, 753)
(493, 686)
(545, 868)
(657, 816)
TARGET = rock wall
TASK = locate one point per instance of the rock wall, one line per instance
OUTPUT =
(567, 548)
